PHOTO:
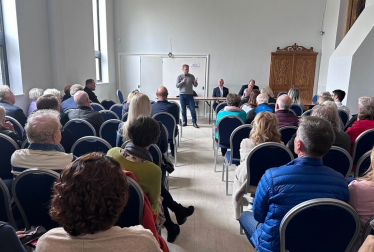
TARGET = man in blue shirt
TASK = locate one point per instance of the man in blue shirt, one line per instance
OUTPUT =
(7, 100)
(70, 103)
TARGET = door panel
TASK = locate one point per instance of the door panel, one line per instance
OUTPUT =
(281, 73)
(304, 72)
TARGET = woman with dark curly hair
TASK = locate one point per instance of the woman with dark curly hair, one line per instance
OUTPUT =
(87, 200)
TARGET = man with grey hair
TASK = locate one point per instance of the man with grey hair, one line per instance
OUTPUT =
(302, 179)
(362, 101)
(282, 112)
(7, 99)
(262, 106)
(70, 103)
(85, 112)
(43, 130)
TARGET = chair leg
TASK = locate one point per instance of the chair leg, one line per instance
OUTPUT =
(215, 158)
(175, 155)
(241, 211)
(223, 170)
(227, 180)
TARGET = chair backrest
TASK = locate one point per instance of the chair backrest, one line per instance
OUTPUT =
(281, 93)
(97, 106)
(107, 104)
(108, 115)
(290, 111)
(307, 113)
(226, 125)
(117, 108)
(344, 116)
(108, 131)
(89, 144)
(169, 121)
(315, 98)
(364, 142)
(220, 107)
(179, 106)
(5, 205)
(258, 160)
(26, 144)
(80, 128)
(363, 164)
(8, 146)
(156, 154)
(367, 229)
(236, 138)
(272, 106)
(297, 109)
(132, 214)
(124, 117)
(322, 225)
(339, 160)
(120, 96)
(32, 190)
(17, 126)
(287, 132)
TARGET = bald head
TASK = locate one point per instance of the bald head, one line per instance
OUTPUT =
(162, 93)
(81, 99)
(283, 103)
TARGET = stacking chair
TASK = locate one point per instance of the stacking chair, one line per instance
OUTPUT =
(324, 225)
(17, 126)
(214, 128)
(180, 123)
(26, 144)
(132, 214)
(226, 125)
(281, 93)
(89, 144)
(108, 131)
(80, 128)
(297, 109)
(8, 146)
(117, 108)
(364, 142)
(107, 104)
(220, 107)
(307, 113)
(272, 106)
(32, 191)
(97, 106)
(156, 154)
(286, 133)
(363, 164)
(315, 98)
(108, 115)
(339, 160)
(169, 121)
(124, 117)
(5, 205)
(344, 116)
(120, 96)
(232, 156)
(290, 111)
(367, 230)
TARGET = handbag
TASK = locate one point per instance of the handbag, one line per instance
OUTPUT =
(167, 164)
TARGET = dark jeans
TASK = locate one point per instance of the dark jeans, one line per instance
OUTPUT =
(168, 202)
(248, 223)
(184, 99)
(9, 241)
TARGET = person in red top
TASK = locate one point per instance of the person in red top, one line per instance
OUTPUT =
(365, 121)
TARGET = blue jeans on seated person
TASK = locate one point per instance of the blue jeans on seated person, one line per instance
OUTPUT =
(184, 99)
(249, 224)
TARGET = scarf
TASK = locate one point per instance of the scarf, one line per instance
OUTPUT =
(137, 151)
(231, 108)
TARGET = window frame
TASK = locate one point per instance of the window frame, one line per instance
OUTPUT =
(98, 53)
(4, 64)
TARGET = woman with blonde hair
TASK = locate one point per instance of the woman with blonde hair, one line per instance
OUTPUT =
(294, 94)
(265, 129)
(34, 94)
(270, 94)
(126, 105)
(7, 128)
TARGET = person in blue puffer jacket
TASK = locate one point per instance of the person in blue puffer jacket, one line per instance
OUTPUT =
(262, 106)
(304, 178)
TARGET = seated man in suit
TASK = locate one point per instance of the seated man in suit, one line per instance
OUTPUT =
(85, 112)
(249, 87)
(162, 105)
(219, 91)
(302, 179)
(262, 106)
(362, 101)
(282, 108)
(43, 130)
(7, 100)
(70, 103)
(90, 87)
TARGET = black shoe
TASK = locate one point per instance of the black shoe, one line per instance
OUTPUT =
(196, 126)
(184, 124)
(182, 213)
(173, 232)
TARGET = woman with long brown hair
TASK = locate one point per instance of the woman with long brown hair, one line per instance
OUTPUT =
(251, 104)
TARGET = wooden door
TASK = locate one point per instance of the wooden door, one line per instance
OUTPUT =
(303, 77)
(281, 72)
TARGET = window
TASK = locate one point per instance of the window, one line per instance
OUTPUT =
(4, 80)
(96, 27)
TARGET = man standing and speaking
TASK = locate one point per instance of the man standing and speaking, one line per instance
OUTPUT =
(185, 82)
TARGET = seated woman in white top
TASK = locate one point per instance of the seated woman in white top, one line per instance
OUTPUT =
(251, 104)
(265, 129)
(87, 201)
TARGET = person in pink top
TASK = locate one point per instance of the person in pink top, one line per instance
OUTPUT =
(361, 193)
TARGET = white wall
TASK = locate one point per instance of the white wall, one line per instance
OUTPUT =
(239, 35)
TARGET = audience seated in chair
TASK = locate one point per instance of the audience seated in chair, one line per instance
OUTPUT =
(246, 89)
(85, 112)
(10, 239)
(87, 200)
(219, 91)
(323, 98)
(143, 132)
(302, 179)
(67, 93)
(361, 193)
(89, 88)
(126, 105)
(338, 96)
(249, 103)
(294, 94)
(262, 106)
(7, 99)
(7, 128)
(282, 108)
(269, 93)
(362, 101)
(34, 94)
(52, 91)
(70, 103)
(329, 113)
(43, 130)
(264, 129)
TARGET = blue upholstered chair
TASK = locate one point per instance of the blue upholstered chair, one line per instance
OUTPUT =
(108, 115)
(364, 143)
(6, 214)
(315, 98)
(117, 108)
(344, 116)
(156, 154)
(307, 113)
(17, 126)
(124, 117)
(363, 164)
(272, 106)
(281, 93)
(80, 128)
(339, 160)
(232, 156)
(89, 144)
(32, 190)
(8, 146)
(108, 131)
(324, 225)
(97, 106)
(290, 111)
(107, 104)
(297, 109)
(286, 133)
(179, 124)
(120, 96)
(220, 107)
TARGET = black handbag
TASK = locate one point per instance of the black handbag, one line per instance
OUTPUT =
(167, 164)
